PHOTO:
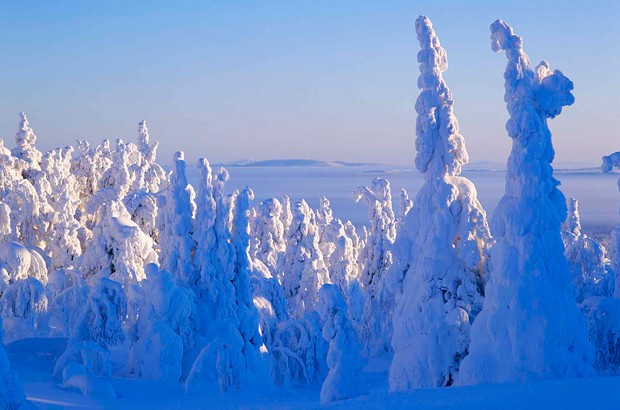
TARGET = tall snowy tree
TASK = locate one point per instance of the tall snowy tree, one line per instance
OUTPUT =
(441, 250)
(377, 259)
(174, 221)
(303, 270)
(530, 326)
(233, 358)
(343, 357)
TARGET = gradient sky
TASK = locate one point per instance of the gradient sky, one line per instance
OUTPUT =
(331, 80)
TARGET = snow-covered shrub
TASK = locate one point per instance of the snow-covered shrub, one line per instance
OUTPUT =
(102, 313)
(530, 326)
(24, 307)
(343, 357)
(165, 327)
(12, 396)
(441, 250)
(299, 352)
(590, 269)
(603, 314)
(85, 366)
(377, 259)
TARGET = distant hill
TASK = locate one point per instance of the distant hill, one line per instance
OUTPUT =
(295, 163)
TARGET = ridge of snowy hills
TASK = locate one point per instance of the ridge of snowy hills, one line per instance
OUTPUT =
(294, 162)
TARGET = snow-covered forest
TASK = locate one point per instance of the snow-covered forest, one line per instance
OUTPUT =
(126, 270)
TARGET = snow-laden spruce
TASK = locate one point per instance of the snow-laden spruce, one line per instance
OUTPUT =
(343, 357)
(376, 257)
(530, 325)
(590, 268)
(441, 250)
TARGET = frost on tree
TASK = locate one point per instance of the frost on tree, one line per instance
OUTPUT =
(343, 357)
(441, 250)
(12, 396)
(174, 221)
(590, 269)
(377, 259)
(530, 326)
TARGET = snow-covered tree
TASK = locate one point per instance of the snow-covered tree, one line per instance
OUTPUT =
(441, 250)
(117, 178)
(151, 173)
(12, 396)
(603, 314)
(343, 356)
(405, 206)
(377, 259)
(324, 215)
(268, 234)
(165, 327)
(344, 272)
(233, 358)
(610, 162)
(298, 353)
(119, 249)
(23, 307)
(174, 221)
(591, 270)
(63, 244)
(303, 270)
(26, 150)
(530, 326)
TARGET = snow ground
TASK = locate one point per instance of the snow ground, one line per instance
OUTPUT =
(33, 360)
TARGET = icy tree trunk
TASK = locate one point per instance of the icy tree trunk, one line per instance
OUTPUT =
(530, 326)
(440, 252)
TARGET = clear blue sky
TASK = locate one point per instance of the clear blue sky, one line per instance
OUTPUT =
(288, 79)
